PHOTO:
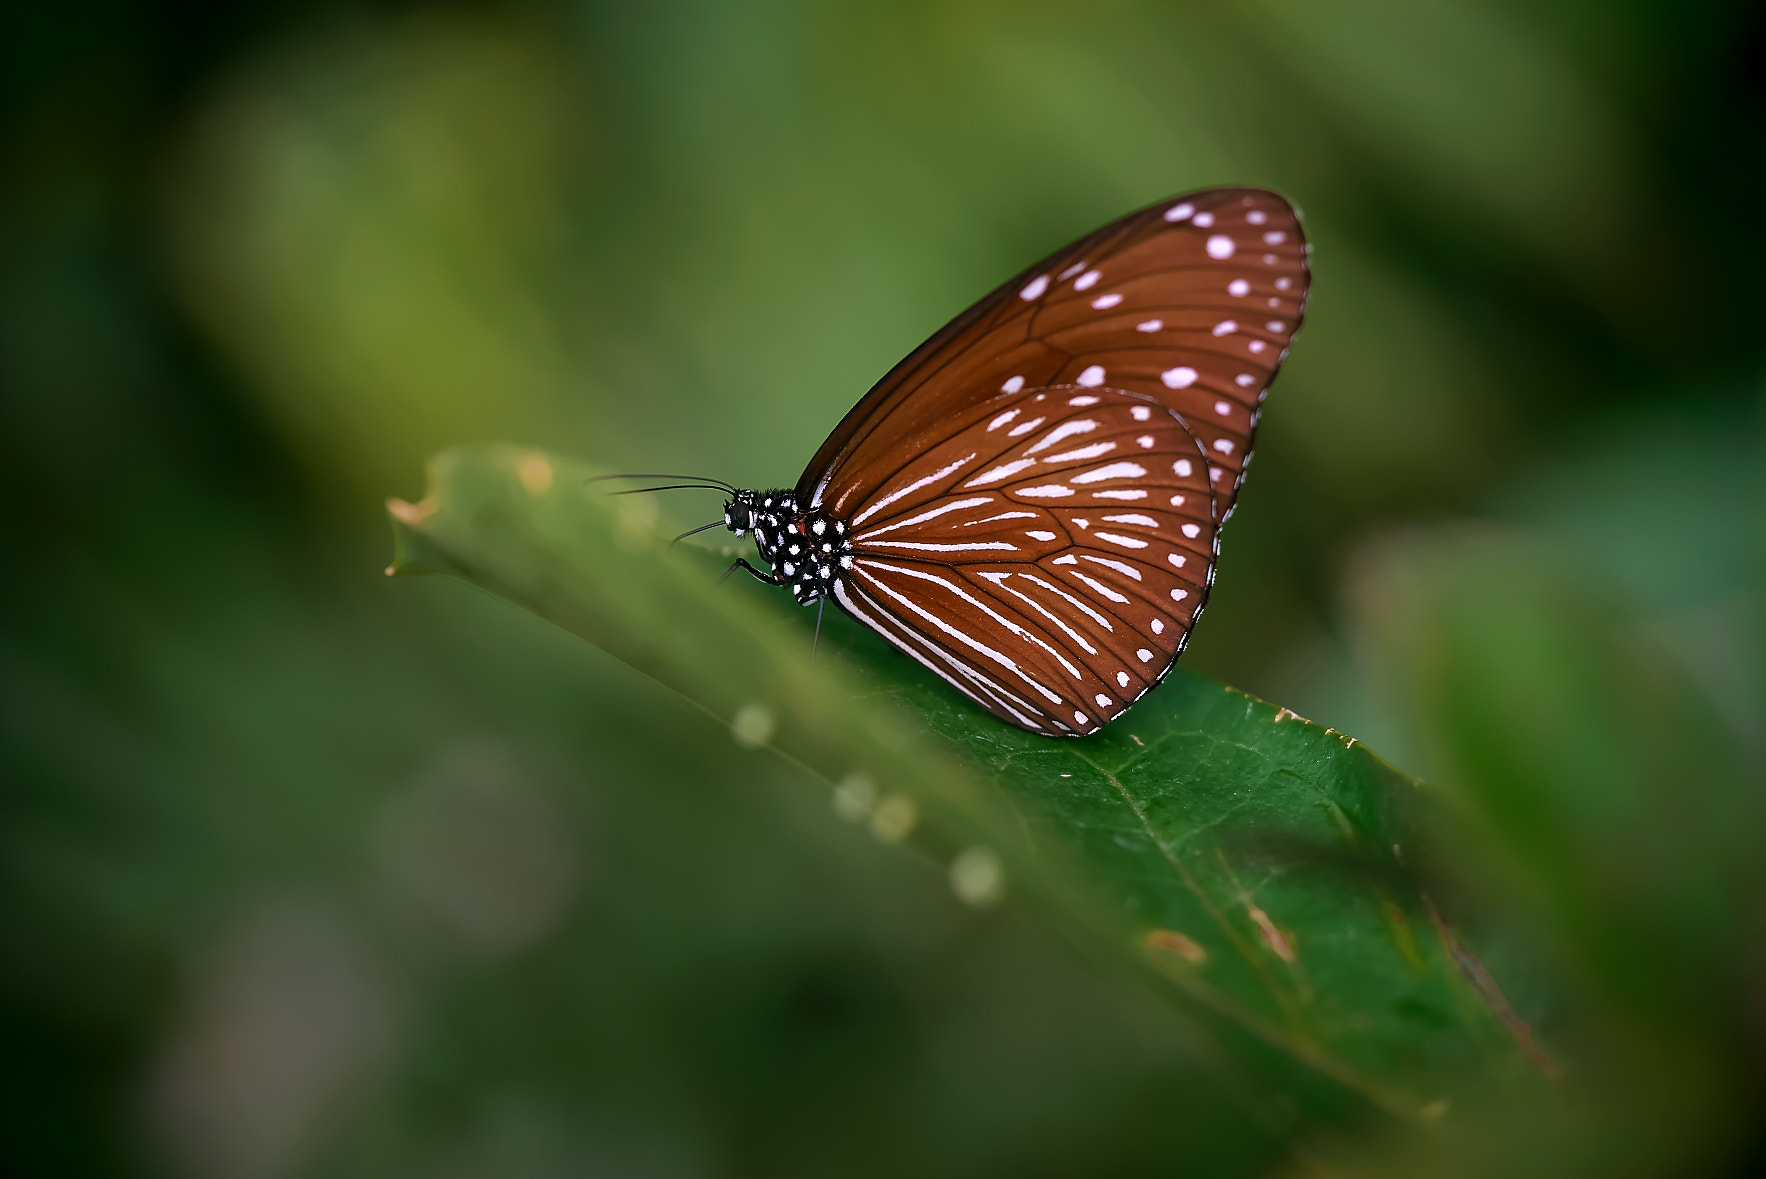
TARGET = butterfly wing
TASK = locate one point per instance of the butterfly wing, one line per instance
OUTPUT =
(1191, 302)
(1045, 552)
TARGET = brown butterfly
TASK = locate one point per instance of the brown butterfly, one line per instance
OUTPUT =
(1030, 504)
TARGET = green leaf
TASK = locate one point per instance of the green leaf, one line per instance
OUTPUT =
(1258, 867)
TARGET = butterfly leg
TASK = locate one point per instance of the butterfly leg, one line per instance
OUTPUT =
(742, 563)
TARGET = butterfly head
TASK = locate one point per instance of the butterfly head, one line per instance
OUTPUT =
(807, 550)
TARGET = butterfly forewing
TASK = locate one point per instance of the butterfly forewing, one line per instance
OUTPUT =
(1191, 302)
(1045, 551)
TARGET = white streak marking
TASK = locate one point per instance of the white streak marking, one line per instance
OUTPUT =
(1080, 455)
(1113, 471)
(1001, 420)
(1003, 471)
(1127, 542)
(1064, 430)
(1125, 569)
(1046, 491)
(956, 506)
(1225, 327)
(1088, 280)
(1003, 516)
(1132, 518)
(1038, 534)
(1179, 212)
(1076, 603)
(1100, 587)
(1023, 428)
(999, 581)
(927, 546)
(1123, 494)
(1151, 325)
(1105, 302)
(908, 490)
(1071, 271)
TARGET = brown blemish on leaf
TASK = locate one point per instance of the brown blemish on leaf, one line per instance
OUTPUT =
(1483, 984)
(535, 474)
(412, 514)
(1273, 936)
(1172, 942)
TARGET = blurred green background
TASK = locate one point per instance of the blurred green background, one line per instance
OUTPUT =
(305, 872)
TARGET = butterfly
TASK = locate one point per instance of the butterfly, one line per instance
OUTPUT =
(1030, 504)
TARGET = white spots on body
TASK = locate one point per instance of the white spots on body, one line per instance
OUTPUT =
(1179, 212)
(1105, 302)
(1091, 378)
(1088, 280)
(1012, 385)
(1204, 220)
(1181, 377)
(1191, 531)
(1225, 327)
(1238, 288)
(1151, 325)
(1034, 289)
(1219, 247)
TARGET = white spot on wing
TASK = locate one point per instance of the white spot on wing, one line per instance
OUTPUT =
(1158, 627)
(1181, 377)
(1121, 567)
(1274, 237)
(1092, 377)
(1238, 288)
(1257, 216)
(1223, 446)
(1003, 471)
(1088, 280)
(1191, 531)
(1244, 380)
(1113, 471)
(1178, 595)
(1040, 535)
(1179, 212)
(1023, 428)
(1223, 408)
(1151, 325)
(1064, 430)
(1105, 302)
(1127, 542)
(1012, 385)
(1122, 679)
(1182, 467)
(1145, 655)
(1204, 220)
(1080, 455)
(1140, 413)
(1046, 491)
(1002, 419)
(1133, 518)
(1225, 327)
(1034, 288)
(1220, 248)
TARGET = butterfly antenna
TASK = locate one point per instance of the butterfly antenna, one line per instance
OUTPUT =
(691, 531)
(692, 480)
(673, 487)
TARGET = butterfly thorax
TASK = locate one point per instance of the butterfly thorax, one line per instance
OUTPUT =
(806, 549)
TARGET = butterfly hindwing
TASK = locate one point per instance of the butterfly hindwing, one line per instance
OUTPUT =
(1046, 552)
